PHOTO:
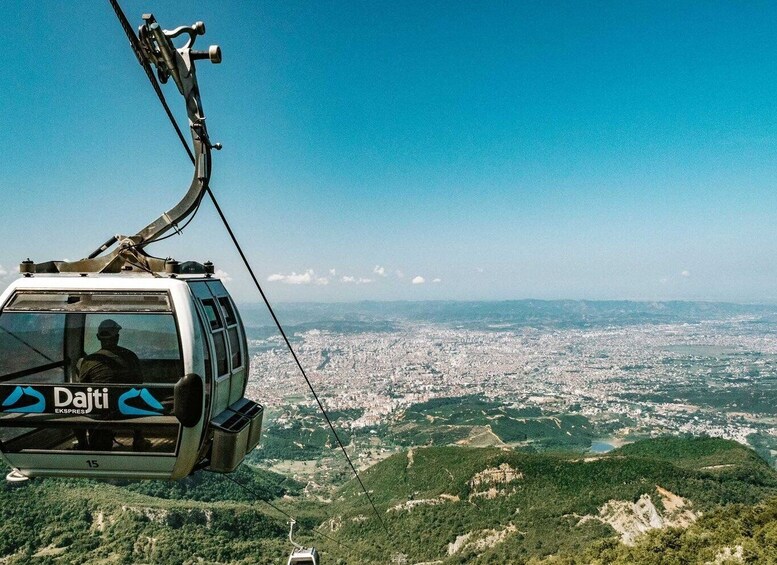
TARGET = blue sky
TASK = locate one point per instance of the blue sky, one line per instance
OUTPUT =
(495, 150)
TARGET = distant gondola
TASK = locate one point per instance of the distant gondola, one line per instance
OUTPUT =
(303, 556)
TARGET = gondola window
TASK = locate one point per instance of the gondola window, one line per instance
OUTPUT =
(48, 338)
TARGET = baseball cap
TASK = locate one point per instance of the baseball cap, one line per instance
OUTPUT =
(108, 328)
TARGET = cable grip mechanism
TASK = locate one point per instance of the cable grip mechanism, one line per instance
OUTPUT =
(159, 49)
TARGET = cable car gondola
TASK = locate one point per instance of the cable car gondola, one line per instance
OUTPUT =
(123, 365)
(301, 555)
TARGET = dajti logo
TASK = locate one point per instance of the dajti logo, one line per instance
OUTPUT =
(69, 402)
(139, 397)
(25, 400)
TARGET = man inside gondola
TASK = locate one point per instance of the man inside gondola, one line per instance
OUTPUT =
(110, 364)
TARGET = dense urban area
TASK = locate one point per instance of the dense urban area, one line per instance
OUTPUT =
(712, 373)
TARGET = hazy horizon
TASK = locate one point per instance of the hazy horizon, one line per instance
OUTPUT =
(259, 303)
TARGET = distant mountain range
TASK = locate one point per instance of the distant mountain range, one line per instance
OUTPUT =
(512, 314)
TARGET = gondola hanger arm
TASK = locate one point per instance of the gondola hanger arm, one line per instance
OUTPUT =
(154, 47)
(157, 49)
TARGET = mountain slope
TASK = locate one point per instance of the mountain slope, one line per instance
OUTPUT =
(201, 519)
(456, 505)
(676, 497)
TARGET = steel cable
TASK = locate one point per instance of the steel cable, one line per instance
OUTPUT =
(274, 507)
(134, 43)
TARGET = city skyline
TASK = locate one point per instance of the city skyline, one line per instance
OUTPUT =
(413, 152)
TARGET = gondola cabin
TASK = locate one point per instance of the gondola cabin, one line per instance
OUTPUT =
(303, 556)
(123, 376)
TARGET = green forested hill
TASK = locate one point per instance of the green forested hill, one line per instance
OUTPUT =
(733, 534)
(542, 505)
(204, 518)
(705, 497)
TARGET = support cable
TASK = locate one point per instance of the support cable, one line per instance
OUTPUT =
(274, 507)
(134, 43)
(293, 353)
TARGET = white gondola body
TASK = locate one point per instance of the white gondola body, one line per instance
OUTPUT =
(303, 556)
(196, 414)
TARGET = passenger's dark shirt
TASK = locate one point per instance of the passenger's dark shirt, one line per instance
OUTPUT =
(111, 365)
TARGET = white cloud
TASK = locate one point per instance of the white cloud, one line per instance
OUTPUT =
(302, 278)
(378, 270)
(353, 280)
(686, 274)
(3, 272)
(400, 274)
(333, 272)
(436, 280)
(419, 280)
(223, 275)
(308, 277)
